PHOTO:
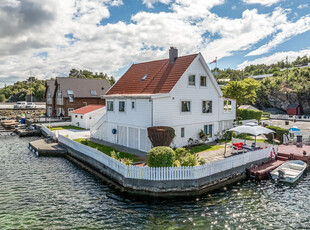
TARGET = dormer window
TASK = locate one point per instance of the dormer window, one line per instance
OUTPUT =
(93, 93)
(192, 80)
(70, 95)
(69, 91)
(144, 77)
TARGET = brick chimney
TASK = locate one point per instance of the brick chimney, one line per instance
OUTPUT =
(173, 54)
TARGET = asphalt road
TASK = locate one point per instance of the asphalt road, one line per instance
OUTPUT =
(40, 105)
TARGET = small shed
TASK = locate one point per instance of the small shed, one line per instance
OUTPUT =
(87, 116)
(294, 109)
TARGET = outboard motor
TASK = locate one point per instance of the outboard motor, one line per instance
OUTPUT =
(281, 174)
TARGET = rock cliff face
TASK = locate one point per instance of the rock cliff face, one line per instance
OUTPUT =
(281, 100)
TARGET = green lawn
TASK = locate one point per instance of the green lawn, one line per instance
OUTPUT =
(106, 150)
(203, 148)
(63, 127)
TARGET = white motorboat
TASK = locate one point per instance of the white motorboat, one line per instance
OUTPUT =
(290, 171)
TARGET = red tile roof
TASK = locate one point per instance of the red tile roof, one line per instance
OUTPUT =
(87, 109)
(161, 76)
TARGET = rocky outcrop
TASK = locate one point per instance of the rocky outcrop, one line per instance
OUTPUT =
(281, 100)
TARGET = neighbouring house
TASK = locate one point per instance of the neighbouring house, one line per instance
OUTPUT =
(73, 93)
(49, 97)
(294, 109)
(247, 107)
(179, 92)
(87, 116)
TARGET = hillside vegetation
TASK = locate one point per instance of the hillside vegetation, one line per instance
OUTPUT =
(19, 90)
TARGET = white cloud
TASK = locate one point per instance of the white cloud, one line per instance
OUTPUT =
(274, 58)
(262, 2)
(302, 6)
(53, 37)
(288, 30)
(150, 3)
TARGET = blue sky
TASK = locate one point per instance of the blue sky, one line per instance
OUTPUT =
(109, 35)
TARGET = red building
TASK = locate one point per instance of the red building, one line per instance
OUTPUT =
(294, 109)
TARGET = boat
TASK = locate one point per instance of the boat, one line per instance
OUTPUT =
(290, 171)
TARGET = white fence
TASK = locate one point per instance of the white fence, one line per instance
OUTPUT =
(290, 117)
(169, 173)
(53, 134)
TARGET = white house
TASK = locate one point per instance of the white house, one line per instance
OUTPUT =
(87, 116)
(179, 92)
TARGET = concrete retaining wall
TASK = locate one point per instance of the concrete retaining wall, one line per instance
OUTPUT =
(161, 188)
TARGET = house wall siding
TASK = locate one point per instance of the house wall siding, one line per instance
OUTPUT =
(140, 116)
(86, 122)
(167, 111)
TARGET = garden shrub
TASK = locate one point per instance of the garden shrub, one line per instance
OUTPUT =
(161, 156)
(189, 160)
(248, 114)
(180, 152)
(115, 155)
(126, 161)
(279, 132)
(177, 163)
(202, 161)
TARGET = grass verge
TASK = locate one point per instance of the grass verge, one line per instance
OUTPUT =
(63, 127)
(107, 150)
(203, 148)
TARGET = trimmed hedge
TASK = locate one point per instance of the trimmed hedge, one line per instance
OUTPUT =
(248, 114)
(279, 132)
(161, 156)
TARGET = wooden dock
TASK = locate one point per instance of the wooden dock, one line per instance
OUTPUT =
(42, 148)
(285, 153)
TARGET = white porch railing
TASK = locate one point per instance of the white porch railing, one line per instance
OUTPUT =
(169, 173)
(290, 117)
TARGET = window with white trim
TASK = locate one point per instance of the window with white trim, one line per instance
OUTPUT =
(227, 106)
(185, 106)
(192, 80)
(133, 105)
(182, 132)
(203, 81)
(121, 106)
(208, 129)
(206, 106)
(110, 105)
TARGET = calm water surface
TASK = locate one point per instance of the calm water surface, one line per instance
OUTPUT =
(53, 193)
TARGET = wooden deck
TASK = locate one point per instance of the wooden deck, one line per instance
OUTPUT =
(42, 148)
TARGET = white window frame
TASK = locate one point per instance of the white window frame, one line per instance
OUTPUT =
(188, 82)
(182, 132)
(226, 106)
(190, 106)
(112, 106)
(71, 98)
(133, 102)
(203, 86)
(208, 125)
(202, 106)
(119, 102)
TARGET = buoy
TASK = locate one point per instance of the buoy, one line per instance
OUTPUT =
(37, 153)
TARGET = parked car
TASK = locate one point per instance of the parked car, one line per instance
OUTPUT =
(31, 105)
(20, 105)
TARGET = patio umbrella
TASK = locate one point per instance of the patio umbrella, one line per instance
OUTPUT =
(250, 128)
